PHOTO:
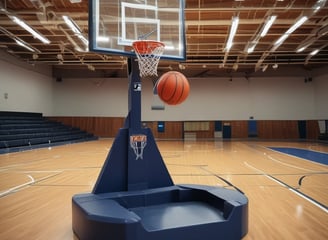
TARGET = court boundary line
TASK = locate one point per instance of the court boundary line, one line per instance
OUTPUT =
(268, 155)
(304, 159)
(289, 165)
(14, 189)
(222, 179)
(31, 182)
(290, 188)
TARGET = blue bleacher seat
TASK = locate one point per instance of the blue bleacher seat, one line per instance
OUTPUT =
(21, 131)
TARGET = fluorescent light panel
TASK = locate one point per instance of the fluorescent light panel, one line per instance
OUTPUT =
(269, 22)
(316, 7)
(291, 30)
(314, 52)
(75, 28)
(72, 25)
(29, 29)
(319, 4)
(24, 45)
(297, 24)
(233, 30)
(19, 41)
(83, 39)
(281, 39)
(251, 48)
(301, 49)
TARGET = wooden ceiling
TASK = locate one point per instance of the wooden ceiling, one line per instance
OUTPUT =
(207, 23)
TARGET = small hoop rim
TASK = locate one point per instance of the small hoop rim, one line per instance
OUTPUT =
(146, 46)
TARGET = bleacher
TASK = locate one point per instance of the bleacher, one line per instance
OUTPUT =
(20, 131)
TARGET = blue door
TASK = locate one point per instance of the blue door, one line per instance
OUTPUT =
(226, 130)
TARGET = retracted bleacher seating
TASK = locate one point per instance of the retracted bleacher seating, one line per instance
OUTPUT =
(21, 131)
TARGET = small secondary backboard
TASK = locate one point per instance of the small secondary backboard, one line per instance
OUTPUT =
(115, 24)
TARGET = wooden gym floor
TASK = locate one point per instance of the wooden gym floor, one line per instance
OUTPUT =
(36, 186)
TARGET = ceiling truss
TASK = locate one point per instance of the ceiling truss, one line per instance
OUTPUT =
(207, 25)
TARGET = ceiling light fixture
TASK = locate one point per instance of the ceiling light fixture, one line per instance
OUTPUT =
(72, 25)
(29, 29)
(76, 46)
(3, 7)
(83, 39)
(319, 4)
(315, 35)
(264, 30)
(251, 48)
(3, 10)
(233, 30)
(19, 41)
(75, 28)
(270, 20)
(281, 39)
(314, 52)
(301, 49)
(296, 25)
(301, 19)
(23, 44)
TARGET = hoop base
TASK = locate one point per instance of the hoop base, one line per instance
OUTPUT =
(192, 212)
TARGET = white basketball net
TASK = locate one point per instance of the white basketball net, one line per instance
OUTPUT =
(148, 53)
(138, 143)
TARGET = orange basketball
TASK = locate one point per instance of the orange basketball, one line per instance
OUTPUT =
(173, 88)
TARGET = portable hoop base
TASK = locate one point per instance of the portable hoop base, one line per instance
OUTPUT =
(191, 212)
(135, 198)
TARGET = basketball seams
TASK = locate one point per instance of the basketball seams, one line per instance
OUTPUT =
(172, 97)
(165, 84)
(181, 95)
(159, 85)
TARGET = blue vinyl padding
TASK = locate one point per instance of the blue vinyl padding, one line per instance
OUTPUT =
(314, 156)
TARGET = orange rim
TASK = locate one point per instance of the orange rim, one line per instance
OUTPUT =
(146, 46)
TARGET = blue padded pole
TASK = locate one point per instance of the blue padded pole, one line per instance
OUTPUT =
(123, 170)
(133, 119)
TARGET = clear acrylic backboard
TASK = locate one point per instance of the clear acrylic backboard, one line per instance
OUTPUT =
(115, 24)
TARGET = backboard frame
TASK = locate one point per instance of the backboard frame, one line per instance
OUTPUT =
(179, 54)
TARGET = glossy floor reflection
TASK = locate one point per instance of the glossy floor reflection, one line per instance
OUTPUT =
(288, 196)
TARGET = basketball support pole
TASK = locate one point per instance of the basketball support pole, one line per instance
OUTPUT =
(122, 172)
(134, 197)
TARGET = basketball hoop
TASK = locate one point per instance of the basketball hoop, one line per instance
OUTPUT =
(148, 53)
(138, 143)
